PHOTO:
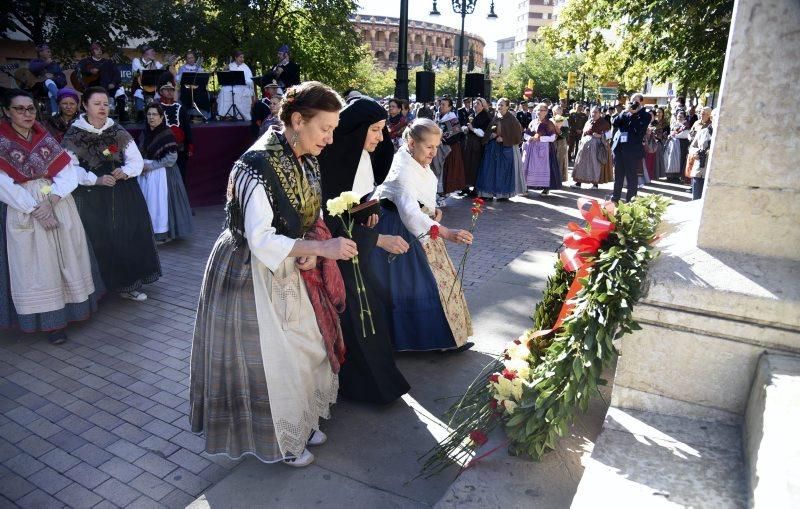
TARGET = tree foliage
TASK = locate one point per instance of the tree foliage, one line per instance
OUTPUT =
(69, 26)
(547, 68)
(665, 40)
(319, 33)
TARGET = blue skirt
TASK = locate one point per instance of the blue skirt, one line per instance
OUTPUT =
(496, 173)
(409, 292)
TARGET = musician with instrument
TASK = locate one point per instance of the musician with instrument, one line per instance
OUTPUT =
(47, 71)
(95, 70)
(189, 92)
(146, 62)
(242, 94)
(285, 72)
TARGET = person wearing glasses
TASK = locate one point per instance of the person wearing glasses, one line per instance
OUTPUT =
(46, 276)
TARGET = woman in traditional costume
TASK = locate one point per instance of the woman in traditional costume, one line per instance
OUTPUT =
(594, 164)
(677, 148)
(424, 301)
(500, 175)
(240, 96)
(476, 130)
(46, 276)
(109, 199)
(68, 102)
(267, 344)
(369, 373)
(397, 122)
(562, 128)
(539, 157)
(161, 181)
(452, 166)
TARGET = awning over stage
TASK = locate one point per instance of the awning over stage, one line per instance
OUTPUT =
(216, 148)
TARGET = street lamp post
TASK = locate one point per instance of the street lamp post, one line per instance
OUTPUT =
(401, 80)
(463, 7)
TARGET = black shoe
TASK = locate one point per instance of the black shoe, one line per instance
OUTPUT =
(463, 348)
(501, 199)
(595, 186)
(57, 337)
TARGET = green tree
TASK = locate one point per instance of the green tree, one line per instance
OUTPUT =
(68, 26)
(547, 68)
(447, 82)
(667, 40)
(319, 33)
(427, 62)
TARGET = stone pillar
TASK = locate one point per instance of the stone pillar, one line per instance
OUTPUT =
(752, 202)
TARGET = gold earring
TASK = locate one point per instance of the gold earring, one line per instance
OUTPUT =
(294, 140)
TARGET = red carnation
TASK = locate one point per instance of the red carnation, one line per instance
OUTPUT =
(113, 149)
(509, 374)
(479, 437)
(494, 377)
(517, 342)
(434, 232)
(493, 404)
(476, 211)
(478, 201)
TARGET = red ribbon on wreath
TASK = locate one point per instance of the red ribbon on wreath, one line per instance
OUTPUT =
(581, 245)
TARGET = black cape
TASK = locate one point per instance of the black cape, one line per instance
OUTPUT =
(369, 373)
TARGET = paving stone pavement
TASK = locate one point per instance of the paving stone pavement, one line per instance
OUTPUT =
(102, 420)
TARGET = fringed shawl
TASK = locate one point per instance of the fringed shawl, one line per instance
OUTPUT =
(88, 143)
(24, 160)
(293, 189)
(157, 143)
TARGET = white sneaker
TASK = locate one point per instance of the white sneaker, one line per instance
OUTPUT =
(304, 460)
(134, 295)
(317, 438)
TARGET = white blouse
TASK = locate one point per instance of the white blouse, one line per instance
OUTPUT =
(17, 197)
(264, 241)
(408, 185)
(133, 158)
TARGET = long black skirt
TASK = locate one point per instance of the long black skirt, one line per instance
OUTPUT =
(118, 225)
(369, 373)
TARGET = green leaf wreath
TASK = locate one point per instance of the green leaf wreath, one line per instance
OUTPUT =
(535, 386)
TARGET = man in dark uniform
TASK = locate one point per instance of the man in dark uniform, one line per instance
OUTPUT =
(524, 114)
(631, 127)
(576, 120)
(465, 112)
(286, 73)
(176, 116)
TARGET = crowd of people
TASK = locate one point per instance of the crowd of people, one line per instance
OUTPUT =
(493, 157)
(280, 330)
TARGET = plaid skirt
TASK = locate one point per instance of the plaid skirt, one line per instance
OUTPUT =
(229, 401)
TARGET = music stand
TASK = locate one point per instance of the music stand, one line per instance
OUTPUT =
(231, 79)
(192, 81)
(150, 78)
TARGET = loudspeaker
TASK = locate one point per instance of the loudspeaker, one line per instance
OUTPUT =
(487, 90)
(426, 86)
(474, 85)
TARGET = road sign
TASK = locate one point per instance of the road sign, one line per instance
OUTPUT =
(609, 93)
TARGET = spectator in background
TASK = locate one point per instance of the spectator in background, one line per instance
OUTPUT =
(628, 147)
(698, 152)
(397, 122)
(524, 114)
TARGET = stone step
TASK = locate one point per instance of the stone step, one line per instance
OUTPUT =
(771, 441)
(644, 459)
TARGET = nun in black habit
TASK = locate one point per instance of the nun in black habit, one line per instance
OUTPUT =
(358, 160)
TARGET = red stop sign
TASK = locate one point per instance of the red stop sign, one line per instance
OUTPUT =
(528, 93)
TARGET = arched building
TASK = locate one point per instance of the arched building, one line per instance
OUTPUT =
(382, 34)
